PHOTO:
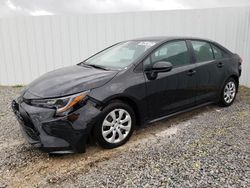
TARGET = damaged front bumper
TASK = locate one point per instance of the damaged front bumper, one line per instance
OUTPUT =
(67, 134)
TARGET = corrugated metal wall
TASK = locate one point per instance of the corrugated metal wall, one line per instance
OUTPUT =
(31, 46)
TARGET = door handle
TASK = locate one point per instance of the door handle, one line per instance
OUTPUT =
(191, 72)
(220, 64)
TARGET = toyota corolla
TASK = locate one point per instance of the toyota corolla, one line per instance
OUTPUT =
(131, 83)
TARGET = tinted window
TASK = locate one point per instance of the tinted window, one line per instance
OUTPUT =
(202, 50)
(218, 53)
(173, 52)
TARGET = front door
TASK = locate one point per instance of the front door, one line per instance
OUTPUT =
(174, 90)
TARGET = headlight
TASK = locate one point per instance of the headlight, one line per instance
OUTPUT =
(63, 104)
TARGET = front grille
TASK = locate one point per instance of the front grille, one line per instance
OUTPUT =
(25, 122)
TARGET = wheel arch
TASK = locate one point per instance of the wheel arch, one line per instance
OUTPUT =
(121, 98)
(129, 101)
(236, 78)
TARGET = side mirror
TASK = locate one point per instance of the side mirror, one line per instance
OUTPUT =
(162, 66)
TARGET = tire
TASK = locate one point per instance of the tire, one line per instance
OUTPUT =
(228, 92)
(115, 125)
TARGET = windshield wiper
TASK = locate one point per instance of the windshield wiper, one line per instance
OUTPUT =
(95, 66)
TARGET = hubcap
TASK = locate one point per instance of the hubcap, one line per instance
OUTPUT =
(229, 92)
(116, 126)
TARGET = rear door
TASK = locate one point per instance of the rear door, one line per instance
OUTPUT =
(210, 71)
(173, 90)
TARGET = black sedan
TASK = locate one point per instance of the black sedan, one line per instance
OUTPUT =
(131, 83)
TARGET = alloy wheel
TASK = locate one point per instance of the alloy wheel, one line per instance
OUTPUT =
(116, 126)
(229, 92)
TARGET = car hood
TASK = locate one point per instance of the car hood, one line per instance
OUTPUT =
(67, 81)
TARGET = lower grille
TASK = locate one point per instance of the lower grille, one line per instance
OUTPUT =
(33, 134)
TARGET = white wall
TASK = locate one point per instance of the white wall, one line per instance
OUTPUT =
(31, 46)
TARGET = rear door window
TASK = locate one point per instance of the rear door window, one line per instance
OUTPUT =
(203, 51)
(218, 53)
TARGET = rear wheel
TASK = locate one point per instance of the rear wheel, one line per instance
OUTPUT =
(115, 125)
(228, 93)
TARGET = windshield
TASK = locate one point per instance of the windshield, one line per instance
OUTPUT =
(120, 55)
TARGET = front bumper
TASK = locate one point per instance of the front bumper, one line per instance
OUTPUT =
(52, 134)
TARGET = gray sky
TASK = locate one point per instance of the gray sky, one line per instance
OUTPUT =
(52, 7)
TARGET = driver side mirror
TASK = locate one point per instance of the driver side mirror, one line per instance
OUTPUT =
(162, 66)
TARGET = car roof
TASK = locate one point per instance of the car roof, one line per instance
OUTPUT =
(166, 38)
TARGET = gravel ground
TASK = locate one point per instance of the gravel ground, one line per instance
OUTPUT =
(208, 147)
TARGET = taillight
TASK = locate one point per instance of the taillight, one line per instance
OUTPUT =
(241, 61)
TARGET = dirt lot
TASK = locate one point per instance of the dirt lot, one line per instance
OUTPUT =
(208, 147)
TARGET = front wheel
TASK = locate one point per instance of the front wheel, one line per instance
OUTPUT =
(228, 93)
(115, 125)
